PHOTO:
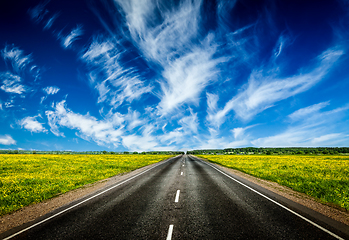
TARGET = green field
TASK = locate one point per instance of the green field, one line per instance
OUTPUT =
(326, 178)
(27, 179)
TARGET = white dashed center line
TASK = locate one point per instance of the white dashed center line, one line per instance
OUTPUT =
(169, 234)
(181, 173)
(177, 196)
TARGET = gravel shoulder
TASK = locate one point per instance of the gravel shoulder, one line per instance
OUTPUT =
(32, 212)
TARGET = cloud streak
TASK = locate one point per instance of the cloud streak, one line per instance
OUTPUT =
(12, 83)
(16, 57)
(73, 36)
(51, 90)
(317, 129)
(32, 125)
(266, 87)
(114, 82)
(7, 140)
(173, 44)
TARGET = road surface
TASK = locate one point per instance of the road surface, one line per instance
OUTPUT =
(182, 198)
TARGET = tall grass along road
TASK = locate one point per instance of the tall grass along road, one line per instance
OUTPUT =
(324, 177)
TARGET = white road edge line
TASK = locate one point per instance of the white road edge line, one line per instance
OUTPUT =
(169, 234)
(177, 196)
(67, 209)
(279, 204)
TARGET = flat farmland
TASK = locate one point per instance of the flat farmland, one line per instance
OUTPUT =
(27, 179)
(326, 178)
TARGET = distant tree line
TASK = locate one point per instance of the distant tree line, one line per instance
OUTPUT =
(275, 151)
(87, 152)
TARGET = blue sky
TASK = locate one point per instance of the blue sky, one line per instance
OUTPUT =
(143, 75)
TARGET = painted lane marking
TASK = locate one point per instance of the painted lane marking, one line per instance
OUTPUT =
(177, 196)
(181, 173)
(169, 234)
(183, 165)
(279, 204)
(67, 209)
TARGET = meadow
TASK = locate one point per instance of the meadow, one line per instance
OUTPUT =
(26, 179)
(326, 178)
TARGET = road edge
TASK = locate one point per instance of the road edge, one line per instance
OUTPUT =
(9, 223)
(334, 225)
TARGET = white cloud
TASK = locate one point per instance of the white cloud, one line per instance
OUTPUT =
(114, 82)
(7, 140)
(318, 130)
(42, 99)
(238, 132)
(265, 88)
(102, 132)
(194, 71)
(304, 112)
(130, 130)
(31, 124)
(18, 59)
(190, 123)
(72, 36)
(214, 117)
(51, 90)
(174, 42)
(49, 22)
(327, 138)
(12, 83)
(9, 103)
(141, 143)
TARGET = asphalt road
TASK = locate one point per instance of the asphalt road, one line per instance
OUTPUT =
(183, 198)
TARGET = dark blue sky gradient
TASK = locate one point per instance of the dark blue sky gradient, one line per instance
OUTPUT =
(173, 75)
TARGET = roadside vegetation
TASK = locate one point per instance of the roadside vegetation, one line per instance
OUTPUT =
(326, 178)
(26, 179)
(9, 151)
(275, 151)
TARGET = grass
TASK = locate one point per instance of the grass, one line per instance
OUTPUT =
(28, 179)
(326, 178)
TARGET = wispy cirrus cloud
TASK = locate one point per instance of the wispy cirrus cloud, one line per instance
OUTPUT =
(114, 82)
(317, 129)
(32, 125)
(142, 142)
(16, 57)
(50, 21)
(239, 132)
(74, 35)
(193, 71)
(12, 83)
(38, 12)
(174, 43)
(302, 113)
(190, 123)
(266, 87)
(103, 132)
(7, 140)
(51, 90)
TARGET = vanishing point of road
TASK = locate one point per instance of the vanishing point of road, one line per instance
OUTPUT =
(182, 198)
